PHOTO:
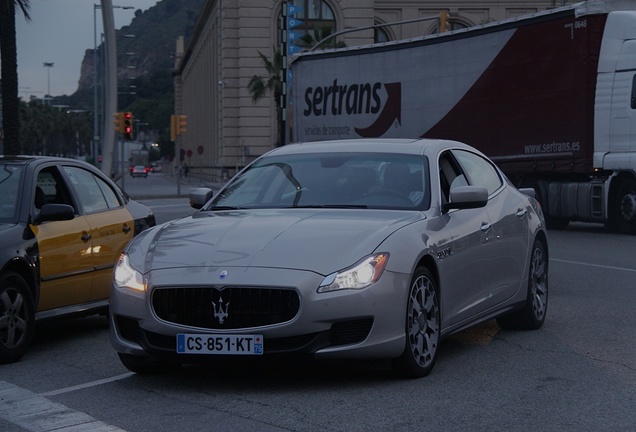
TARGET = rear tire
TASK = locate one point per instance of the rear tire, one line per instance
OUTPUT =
(532, 315)
(147, 365)
(423, 327)
(17, 317)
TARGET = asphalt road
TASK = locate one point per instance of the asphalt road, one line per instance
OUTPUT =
(577, 373)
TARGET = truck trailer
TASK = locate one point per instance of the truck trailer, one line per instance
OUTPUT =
(550, 97)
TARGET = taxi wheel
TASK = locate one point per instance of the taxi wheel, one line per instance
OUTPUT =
(423, 327)
(17, 317)
(146, 365)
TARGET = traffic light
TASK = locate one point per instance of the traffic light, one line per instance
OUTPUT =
(118, 121)
(173, 127)
(178, 125)
(444, 21)
(128, 126)
(182, 123)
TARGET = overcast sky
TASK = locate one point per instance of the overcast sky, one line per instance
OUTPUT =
(60, 32)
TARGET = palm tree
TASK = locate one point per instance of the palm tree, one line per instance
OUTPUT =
(319, 34)
(9, 77)
(259, 86)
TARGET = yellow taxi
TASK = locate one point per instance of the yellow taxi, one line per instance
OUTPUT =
(63, 225)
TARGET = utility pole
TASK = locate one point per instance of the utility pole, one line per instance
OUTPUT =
(110, 84)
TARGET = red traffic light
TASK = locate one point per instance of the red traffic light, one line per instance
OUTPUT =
(128, 125)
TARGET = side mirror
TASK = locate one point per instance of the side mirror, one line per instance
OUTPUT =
(200, 196)
(529, 192)
(54, 212)
(466, 197)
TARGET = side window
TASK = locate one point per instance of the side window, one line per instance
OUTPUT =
(450, 175)
(50, 188)
(479, 171)
(95, 194)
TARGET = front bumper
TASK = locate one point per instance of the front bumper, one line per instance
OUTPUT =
(367, 323)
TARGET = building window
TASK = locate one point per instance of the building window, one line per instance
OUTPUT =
(380, 35)
(318, 22)
(453, 24)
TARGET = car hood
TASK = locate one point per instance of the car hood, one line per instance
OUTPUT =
(322, 240)
(4, 226)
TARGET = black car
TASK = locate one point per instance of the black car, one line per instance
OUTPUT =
(63, 225)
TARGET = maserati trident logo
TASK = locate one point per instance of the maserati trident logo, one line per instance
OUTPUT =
(220, 312)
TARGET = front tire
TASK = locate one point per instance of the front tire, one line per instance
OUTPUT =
(422, 327)
(17, 317)
(532, 315)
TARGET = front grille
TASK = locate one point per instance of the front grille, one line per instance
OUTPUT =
(229, 308)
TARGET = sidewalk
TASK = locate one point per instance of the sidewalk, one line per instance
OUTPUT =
(163, 185)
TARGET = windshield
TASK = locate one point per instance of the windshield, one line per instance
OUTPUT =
(357, 180)
(9, 183)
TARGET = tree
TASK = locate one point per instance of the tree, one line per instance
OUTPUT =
(9, 55)
(260, 86)
(320, 34)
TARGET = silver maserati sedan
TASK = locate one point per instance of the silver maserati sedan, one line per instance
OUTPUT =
(350, 249)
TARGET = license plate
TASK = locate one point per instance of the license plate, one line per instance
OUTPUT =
(219, 344)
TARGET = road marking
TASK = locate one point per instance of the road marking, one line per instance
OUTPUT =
(594, 265)
(87, 385)
(38, 414)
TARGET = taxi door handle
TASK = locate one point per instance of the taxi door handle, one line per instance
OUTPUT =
(126, 228)
(86, 236)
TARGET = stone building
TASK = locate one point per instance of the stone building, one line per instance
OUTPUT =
(225, 128)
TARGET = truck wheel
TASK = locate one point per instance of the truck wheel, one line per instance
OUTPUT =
(17, 317)
(551, 222)
(624, 216)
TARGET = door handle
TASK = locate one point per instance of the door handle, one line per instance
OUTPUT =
(485, 226)
(126, 228)
(86, 236)
(521, 213)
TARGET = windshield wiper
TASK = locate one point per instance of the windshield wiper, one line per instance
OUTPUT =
(214, 208)
(337, 206)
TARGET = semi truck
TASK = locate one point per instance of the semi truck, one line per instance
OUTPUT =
(550, 97)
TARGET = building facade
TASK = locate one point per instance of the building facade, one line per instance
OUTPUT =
(226, 127)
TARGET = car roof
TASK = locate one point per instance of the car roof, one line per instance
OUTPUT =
(372, 145)
(26, 159)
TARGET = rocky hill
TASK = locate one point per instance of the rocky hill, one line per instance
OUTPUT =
(145, 61)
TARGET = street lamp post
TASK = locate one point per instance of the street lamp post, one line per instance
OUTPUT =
(97, 130)
(48, 66)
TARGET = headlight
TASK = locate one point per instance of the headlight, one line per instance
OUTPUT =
(360, 276)
(127, 277)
